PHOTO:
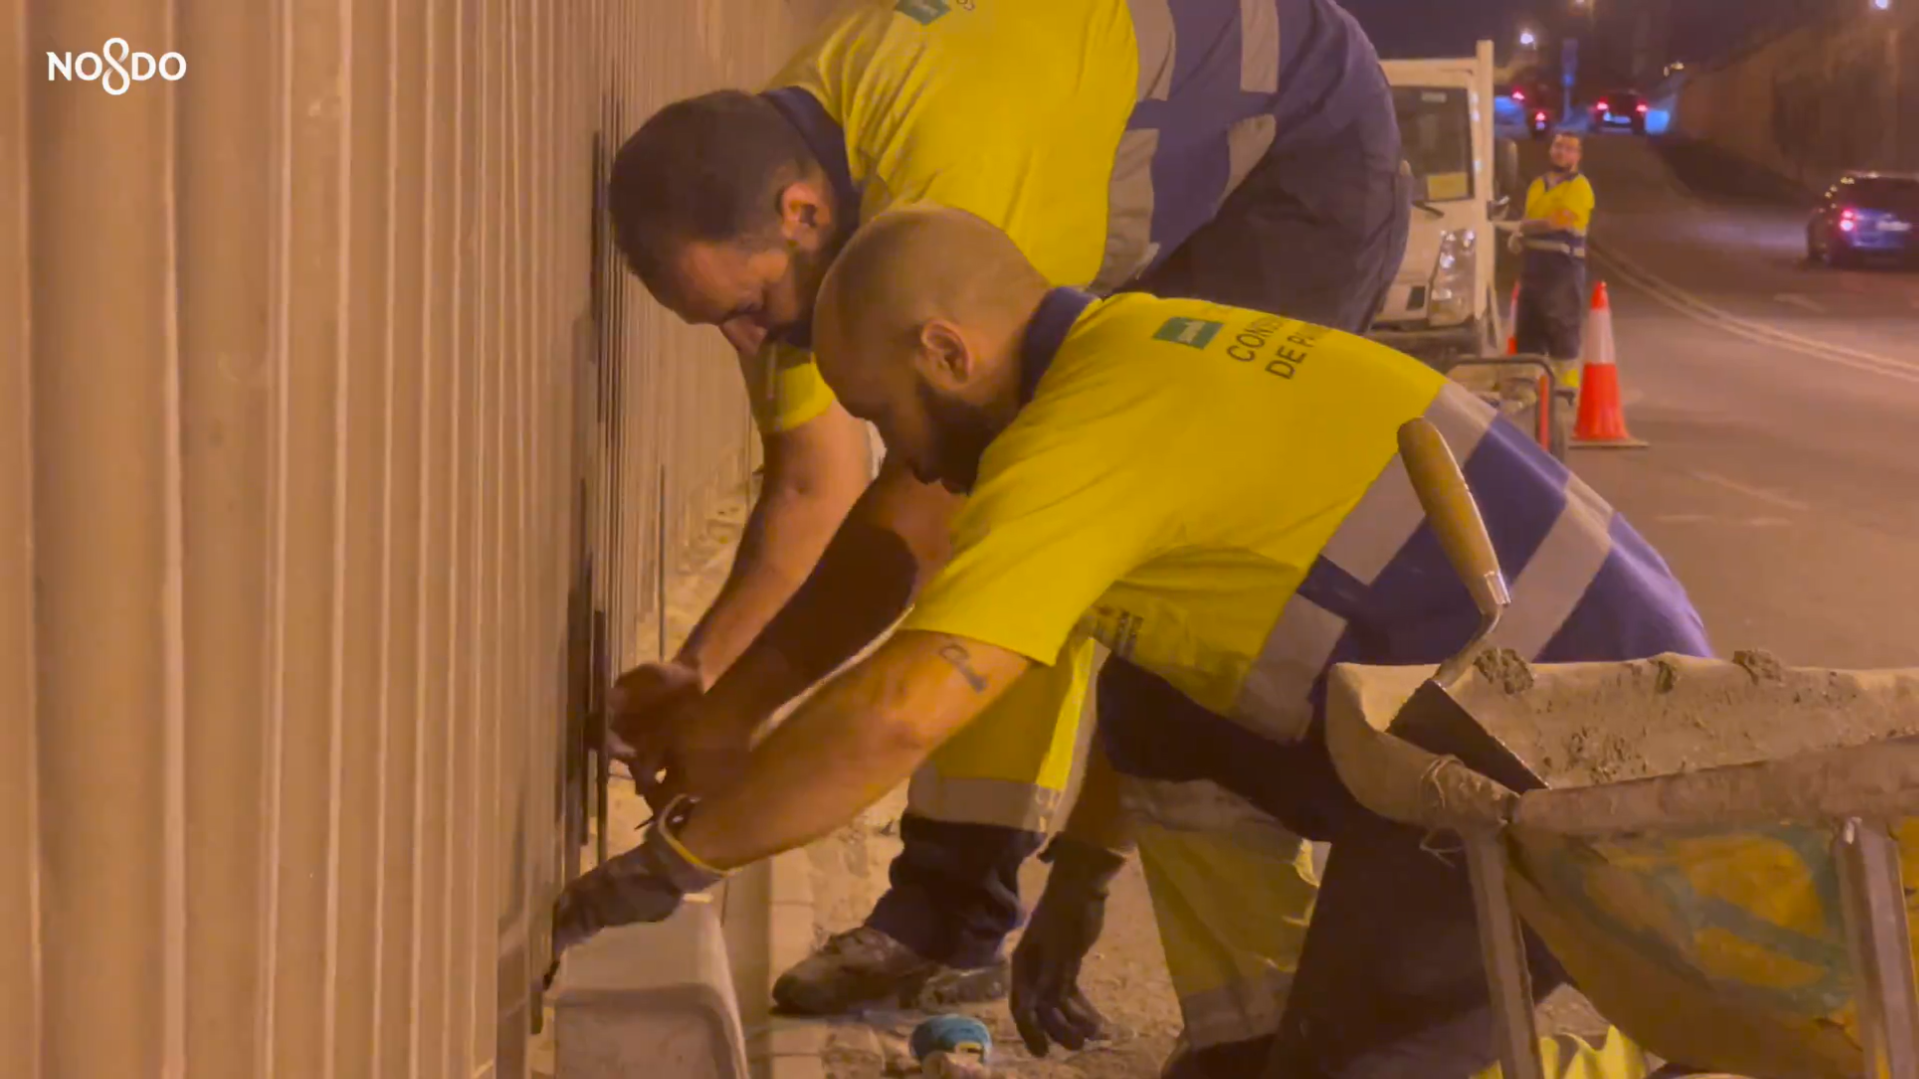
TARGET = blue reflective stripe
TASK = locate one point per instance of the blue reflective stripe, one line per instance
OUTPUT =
(1416, 610)
(1057, 313)
(1329, 79)
(827, 140)
(1634, 608)
(1626, 605)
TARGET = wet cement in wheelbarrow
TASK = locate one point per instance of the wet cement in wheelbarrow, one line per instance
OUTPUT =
(1589, 724)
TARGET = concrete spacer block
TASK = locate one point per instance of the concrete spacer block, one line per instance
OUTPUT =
(653, 1000)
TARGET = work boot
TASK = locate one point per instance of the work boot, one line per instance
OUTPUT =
(865, 966)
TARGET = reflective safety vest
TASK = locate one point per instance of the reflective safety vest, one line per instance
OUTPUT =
(1554, 253)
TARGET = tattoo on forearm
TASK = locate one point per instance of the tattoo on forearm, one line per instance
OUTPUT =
(955, 653)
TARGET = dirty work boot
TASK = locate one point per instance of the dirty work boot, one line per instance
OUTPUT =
(865, 966)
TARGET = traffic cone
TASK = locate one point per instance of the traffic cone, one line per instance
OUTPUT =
(1512, 323)
(1602, 416)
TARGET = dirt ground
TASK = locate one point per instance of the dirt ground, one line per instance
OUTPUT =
(1125, 976)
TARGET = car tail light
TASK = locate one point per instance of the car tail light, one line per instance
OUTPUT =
(1541, 117)
(1603, 107)
(1519, 95)
(1642, 106)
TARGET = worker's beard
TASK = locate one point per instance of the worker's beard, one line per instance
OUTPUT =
(961, 431)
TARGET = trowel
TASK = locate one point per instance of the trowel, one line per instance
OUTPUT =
(1431, 719)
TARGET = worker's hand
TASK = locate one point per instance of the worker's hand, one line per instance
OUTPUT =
(707, 754)
(746, 338)
(645, 884)
(1047, 1004)
(648, 710)
(1516, 243)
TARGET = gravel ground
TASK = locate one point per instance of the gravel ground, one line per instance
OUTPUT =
(1125, 976)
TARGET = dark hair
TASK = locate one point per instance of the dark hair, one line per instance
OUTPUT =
(707, 168)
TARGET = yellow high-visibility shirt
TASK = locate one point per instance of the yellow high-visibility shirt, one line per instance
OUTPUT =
(1545, 200)
(1098, 134)
(1216, 495)
(1180, 469)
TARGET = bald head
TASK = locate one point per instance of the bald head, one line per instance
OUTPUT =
(912, 269)
(917, 328)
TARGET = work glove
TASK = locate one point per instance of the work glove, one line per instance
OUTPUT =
(1047, 1004)
(645, 884)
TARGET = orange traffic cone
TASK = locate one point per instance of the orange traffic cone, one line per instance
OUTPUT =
(1602, 416)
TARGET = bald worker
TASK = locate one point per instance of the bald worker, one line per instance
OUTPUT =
(1215, 493)
(1244, 152)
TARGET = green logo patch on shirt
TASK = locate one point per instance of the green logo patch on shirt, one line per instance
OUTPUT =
(922, 11)
(1192, 332)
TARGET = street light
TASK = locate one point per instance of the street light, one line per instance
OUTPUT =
(1882, 5)
(1529, 39)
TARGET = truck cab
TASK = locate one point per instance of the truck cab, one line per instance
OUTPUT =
(1441, 305)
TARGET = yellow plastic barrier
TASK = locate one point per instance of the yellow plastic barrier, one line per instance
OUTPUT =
(1726, 950)
(1723, 948)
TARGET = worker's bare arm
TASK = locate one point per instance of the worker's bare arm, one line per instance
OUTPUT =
(894, 540)
(1557, 221)
(860, 737)
(815, 474)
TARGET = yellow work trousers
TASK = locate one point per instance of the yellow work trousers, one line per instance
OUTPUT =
(1010, 767)
(1232, 893)
(1568, 1057)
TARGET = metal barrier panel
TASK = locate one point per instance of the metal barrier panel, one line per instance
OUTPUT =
(329, 423)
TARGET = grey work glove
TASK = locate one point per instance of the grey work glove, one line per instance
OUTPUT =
(1047, 1004)
(646, 884)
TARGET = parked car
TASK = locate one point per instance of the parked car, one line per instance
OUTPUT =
(1534, 102)
(1865, 214)
(1621, 108)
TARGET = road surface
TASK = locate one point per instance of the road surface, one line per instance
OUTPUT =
(1782, 483)
(1782, 404)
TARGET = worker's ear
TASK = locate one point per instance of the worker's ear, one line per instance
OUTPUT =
(806, 214)
(945, 360)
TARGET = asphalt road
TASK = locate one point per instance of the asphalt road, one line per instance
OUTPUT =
(1782, 404)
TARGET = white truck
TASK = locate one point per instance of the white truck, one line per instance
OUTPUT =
(1442, 306)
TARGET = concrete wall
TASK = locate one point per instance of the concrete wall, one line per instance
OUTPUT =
(1840, 94)
(336, 457)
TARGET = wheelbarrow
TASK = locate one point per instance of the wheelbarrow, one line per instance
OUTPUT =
(1723, 854)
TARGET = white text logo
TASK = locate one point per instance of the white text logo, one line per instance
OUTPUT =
(116, 67)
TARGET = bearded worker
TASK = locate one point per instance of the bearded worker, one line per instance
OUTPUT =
(1216, 494)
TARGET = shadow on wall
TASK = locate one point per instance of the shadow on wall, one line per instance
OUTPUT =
(1811, 104)
(1804, 108)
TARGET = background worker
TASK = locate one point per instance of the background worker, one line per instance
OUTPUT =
(1239, 152)
(1551, 243)
(1214, 493)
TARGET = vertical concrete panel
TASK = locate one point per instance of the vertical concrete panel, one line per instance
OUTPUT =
(363, 723)
(289, 459)
(408, 744)
(105, 550)
(21, 991)
(443, 204)
(229, 201)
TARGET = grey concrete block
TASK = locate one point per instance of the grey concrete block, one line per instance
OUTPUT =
(651, 1002)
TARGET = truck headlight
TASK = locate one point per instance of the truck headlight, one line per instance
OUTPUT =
(1455, 276)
